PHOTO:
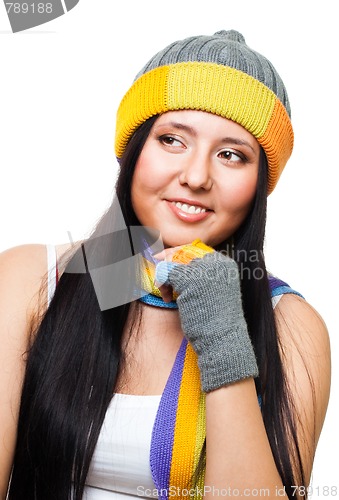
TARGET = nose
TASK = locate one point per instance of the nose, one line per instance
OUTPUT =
(196, 173)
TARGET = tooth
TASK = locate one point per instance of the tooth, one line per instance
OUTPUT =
(184, 207)
(178, 204)
(191, 209)
(198, 210)
(203, 210)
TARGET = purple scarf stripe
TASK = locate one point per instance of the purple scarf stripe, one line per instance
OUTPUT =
(163, 429)
(279, 287)
(275, 282)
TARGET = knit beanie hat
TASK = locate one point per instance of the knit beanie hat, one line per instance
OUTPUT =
(219, 74)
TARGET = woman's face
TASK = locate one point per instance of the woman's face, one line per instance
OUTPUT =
(195, 177)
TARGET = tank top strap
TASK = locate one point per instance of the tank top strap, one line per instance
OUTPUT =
(52, 270)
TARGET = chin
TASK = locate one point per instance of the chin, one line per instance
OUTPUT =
(177, 241)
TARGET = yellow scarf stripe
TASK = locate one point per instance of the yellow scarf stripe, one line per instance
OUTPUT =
(200, 435)
(146, 278)
(214, 88)
(185, 454)
(196, 249)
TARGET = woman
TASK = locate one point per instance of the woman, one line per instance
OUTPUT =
(216, 392)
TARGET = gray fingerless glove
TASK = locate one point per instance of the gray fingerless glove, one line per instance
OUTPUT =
(212, 318)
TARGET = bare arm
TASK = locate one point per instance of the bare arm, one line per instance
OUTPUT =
(306, 355)
(238, 455)
(21, 272)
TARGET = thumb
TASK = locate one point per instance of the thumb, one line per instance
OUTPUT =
(162, 271)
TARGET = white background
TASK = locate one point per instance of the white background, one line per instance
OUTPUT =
(60, 86)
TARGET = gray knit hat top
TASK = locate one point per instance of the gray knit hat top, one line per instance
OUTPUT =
(227, 48)
(219, 74)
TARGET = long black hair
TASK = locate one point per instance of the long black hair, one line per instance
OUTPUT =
(75, 356)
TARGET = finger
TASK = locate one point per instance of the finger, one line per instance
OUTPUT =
(162, 272)
(167, 253)
(166, 292)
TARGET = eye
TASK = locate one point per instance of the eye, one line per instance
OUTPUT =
(232, 156)
(169, 140)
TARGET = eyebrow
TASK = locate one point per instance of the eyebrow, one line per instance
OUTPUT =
(239, 142)
(192, 131)
(180, 126)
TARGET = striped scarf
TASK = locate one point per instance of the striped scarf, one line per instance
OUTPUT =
(179, 430)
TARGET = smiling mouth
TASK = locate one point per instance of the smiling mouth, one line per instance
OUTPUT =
(189, 209)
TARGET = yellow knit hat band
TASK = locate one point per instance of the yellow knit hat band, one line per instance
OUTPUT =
(214, 88)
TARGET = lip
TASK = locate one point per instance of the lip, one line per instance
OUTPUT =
(184, 216)
(189, 202)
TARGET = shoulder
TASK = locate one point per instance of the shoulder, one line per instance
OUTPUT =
(22, 270)
(299, 322)
(23, 276)
(304, 340)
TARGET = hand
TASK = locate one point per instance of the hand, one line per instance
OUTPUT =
(166, 255)
(182, 254)
(212, 318)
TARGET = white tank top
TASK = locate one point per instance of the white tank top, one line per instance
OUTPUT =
(120, 464)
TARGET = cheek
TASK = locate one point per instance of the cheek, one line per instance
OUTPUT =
(147, 175)
(146, 184)
(239, 194)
